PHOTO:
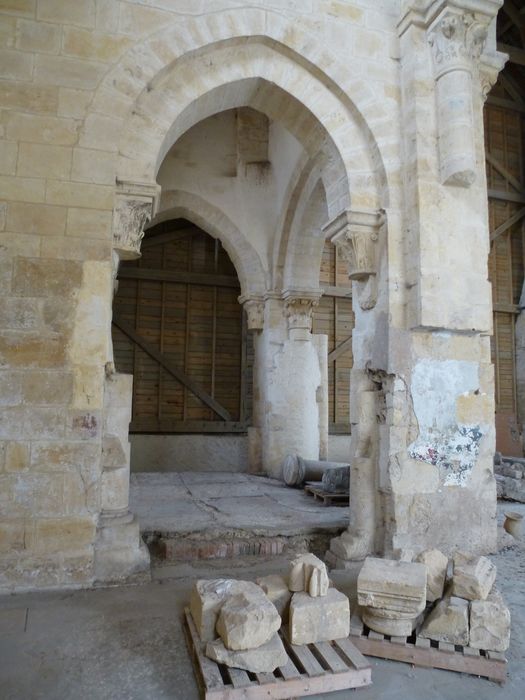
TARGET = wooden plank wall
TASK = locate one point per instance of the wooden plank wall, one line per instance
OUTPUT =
(334, 317)
(198, 327)
(504, 144)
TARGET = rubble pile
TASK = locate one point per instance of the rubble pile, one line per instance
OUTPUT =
(399, 596)
(240, 620)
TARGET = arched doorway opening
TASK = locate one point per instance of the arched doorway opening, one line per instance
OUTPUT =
(180, 331)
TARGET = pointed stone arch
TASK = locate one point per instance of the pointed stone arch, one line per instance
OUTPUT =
(179, 204)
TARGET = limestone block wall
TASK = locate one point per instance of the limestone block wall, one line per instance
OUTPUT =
(94, 93)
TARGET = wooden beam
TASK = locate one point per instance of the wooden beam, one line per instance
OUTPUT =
(179, 375)
(502, 170)
(507, 224)
(505, 104)
(341, 292)
(152, 239)
(506, 196)
(516, 55)
(152, 424)
(506, 308)
(340, 349)
(508, 83)
(145, 273)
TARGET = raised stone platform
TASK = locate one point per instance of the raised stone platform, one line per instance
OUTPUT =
(213, 515)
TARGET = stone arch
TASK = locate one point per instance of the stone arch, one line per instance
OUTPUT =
(187, 205)
(321, 83)
(306, 240)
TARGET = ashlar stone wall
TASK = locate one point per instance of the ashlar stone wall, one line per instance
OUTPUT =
(385, 99)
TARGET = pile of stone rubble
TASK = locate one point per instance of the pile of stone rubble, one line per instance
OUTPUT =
(454, 602)
(510, 478)
(457, 604)
(240, 620)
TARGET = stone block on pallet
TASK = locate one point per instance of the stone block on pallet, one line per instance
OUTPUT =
(247, 620)
(473, 577)
(437, 564)
(207, 599)
(319, 619)
(308, 573)
(276, 588)
(392, 585)
(490, 623)
(264, 659)
(448, 622)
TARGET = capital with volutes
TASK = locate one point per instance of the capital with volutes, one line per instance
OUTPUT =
(135, 205)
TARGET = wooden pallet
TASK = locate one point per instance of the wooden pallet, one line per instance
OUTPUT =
(429, 654)
(310, 669)
(340, 498)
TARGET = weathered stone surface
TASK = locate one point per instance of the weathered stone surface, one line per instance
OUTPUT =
(490, 623)
(436, 563)
(276, 588)
(387, 622)
(308, 573)
(207, 599)
(448, 622)
(247, 620)
(392, 585)
(320, 618)
(473, 577)
(264, 659)
(336, 479)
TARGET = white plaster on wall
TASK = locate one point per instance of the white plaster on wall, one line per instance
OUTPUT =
(443, 441)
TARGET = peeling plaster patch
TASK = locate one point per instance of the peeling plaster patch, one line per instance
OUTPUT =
(442, 441)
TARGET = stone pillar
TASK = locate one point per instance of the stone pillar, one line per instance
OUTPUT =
(254, 309)
(287, 377)
(435, 475)
(120, 553)
(457, 39)
(320, 342)
(358, 235)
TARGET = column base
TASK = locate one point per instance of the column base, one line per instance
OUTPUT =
(121, 556)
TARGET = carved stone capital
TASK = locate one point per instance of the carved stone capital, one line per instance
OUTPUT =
(355, 234)
(135, 205)
(457, 39)
(298, 307)
(254, 307)
(489, 69)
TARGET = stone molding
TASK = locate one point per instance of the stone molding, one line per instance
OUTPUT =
(254, 307)
(298, 307)
(135, 205)
(421, 13)
(457, 39)
(355, 234)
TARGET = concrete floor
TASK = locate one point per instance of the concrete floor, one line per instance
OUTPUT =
(189, 502)
(127, 643)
